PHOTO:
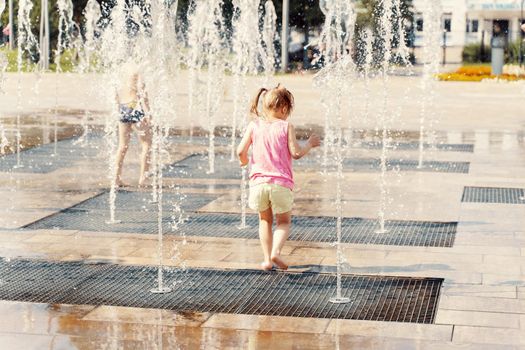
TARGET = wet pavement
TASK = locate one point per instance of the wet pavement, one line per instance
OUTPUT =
(482, 301)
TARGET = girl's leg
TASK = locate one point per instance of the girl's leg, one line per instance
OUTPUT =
(265, 235)
(145, 137)
(124, 131)
(282, 231)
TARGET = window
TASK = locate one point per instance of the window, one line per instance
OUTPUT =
(447, 22)
(419, 23)
(472, 25)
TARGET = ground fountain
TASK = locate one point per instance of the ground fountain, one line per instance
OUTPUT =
(88, 51)
(4, 143)
(269, 39)
(431, 57)
(26, 43)
(334, 81)
(384, 25)
(248, 51)
(113, 45)
(206, 63)
(163, 110)
(65, 27)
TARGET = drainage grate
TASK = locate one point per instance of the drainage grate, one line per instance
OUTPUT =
(134, 209)
(412, 146)
(138, 216)
(196, 166)
(42, 159)
(493, 195)
(374, 298)
(371, 164)
(322, 229)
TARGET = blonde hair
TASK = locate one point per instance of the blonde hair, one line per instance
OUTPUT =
(273, 99)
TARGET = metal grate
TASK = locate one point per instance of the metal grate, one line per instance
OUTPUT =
(134, 209)
(493, 195)
(371, 164)
(42, 159)
(322, 229)
(139, 216)
(196, 166)
(374, 298)
(410, 146)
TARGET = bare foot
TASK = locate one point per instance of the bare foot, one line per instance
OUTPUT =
(120, 184)
(279, 262)
(266, 266)
(143, 183)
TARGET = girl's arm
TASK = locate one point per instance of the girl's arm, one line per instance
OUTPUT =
(296, 150)
(244, 146)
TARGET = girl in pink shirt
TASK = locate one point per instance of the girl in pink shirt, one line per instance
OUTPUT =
(274, 144)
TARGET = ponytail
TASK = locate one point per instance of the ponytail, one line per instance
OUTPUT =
(255, 102)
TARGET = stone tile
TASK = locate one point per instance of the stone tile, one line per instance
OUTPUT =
(407, 256)
(521, 292)
(291, 260)
(503, 279)
(505, 336)
(503, 261)
(484, 291)
(475, 318)
(470, 303)
(390, 329)
(478, 249)
(17, 218)
(267, 323)
(146, 316)
(38, 318)
(24, 341)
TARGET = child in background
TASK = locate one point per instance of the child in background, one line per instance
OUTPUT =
(274, 144)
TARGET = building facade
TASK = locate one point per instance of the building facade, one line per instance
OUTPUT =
(465, 22)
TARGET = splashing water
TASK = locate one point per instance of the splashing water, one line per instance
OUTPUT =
(384, 14)
(334, 82)
(26, 44)
(65, 26)
(269, 38)
(249, 54)
(207, 45)
(163, 110)
(113, 43)
(431, 57)
(92, 15)
(3, 67)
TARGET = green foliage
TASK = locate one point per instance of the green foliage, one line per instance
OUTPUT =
(474, 53)
(78, 8)
(67, 62)
(368, 16)
(512, 53)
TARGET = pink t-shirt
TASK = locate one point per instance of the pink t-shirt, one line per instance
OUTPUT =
(271, 161)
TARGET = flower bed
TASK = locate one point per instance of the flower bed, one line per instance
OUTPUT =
(477, 73)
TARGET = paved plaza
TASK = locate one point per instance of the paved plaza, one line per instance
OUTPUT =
(457, 227)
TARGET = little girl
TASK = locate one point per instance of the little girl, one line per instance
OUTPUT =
(271, 177)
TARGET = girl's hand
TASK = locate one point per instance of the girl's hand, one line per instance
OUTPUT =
(314, 141)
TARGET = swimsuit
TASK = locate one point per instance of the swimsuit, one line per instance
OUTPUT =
(129, 114)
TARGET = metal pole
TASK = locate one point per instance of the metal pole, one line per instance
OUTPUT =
(11, 27)
(444, 47)
(284, 35)
(520, 58)
(44, 35)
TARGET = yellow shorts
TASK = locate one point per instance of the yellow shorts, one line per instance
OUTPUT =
(266, 195)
